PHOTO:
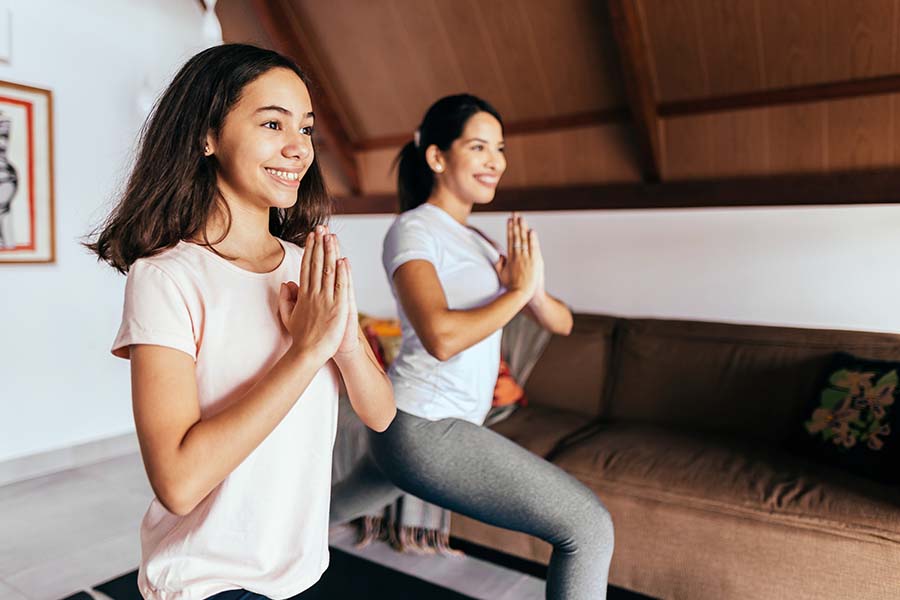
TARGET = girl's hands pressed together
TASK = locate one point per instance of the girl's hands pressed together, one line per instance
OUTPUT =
(317, 310)
(523, 266)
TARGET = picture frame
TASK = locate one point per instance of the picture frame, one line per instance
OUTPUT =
(27, 228)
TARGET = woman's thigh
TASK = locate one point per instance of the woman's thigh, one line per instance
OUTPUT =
(479, 473)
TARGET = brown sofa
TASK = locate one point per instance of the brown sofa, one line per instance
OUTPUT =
(679, 427)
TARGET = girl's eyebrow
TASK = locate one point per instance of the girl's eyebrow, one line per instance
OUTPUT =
(282, 110)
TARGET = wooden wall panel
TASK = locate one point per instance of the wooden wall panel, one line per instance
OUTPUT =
(859, 38)
(859, 133)
(391, 59)
(793, 45)
(732, 46)
(673, 31)
(839, 135)
(797, 138)
(727, 144)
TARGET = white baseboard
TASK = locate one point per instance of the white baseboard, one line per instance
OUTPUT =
(53, 461)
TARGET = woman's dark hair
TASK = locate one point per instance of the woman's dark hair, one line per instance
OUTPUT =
(171, 192)
(443, 123)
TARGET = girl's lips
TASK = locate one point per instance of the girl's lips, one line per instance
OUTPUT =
(286, 178)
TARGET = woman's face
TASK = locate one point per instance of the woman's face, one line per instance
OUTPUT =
(264, 146)
(471, 168)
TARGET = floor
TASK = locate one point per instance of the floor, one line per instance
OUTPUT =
(66, 532)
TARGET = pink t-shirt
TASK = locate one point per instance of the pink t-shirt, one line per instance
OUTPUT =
(265, 527)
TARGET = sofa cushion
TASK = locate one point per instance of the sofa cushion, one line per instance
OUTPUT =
(746, 379)
(572, 371)
(740, 479)
(854, 421)
(539, 428)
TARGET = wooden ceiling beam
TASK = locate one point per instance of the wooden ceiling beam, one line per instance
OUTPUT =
(634, 59)
(796, 95)
(284, 31)
(525, 126)
(880, 186)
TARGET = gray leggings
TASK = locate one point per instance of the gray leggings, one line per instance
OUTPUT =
(477, 472)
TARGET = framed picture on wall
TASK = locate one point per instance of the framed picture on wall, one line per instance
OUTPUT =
(26, 174)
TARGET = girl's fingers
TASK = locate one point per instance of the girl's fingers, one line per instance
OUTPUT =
(509, 236)
(330, 266)
(351, 293)
(517, 235)
(341, 281)
(318, 260)
(305, 263)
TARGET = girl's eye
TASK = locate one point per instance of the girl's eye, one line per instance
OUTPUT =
(502, 149)
(272, 125)
(308, 130)
(478, 147)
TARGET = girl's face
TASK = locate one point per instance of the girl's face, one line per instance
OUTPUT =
(471, 168)
(264, 146)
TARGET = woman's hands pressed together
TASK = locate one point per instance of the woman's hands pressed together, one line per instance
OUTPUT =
(522, 268)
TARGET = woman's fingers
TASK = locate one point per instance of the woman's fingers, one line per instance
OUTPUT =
(509, 235)
(318, 261)
(517, 234)
(526, 236)
(330, 265)
(306, 263)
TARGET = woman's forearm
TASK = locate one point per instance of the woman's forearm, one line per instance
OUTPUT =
(550, 313)
(449, 332)
(369, 389)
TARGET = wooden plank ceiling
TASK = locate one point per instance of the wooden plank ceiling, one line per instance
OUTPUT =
(616, 104)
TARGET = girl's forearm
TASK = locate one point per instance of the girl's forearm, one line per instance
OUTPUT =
(214, 447)
(369, 389)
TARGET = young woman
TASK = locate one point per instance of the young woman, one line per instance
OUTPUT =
(237, 337)
(455, 292)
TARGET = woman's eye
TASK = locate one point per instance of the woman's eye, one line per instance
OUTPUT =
(308, 130)
(502, 149)
(272, 125)
(478, 147)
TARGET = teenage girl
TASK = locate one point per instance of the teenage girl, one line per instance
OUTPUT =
(455, 292)
(237, 337)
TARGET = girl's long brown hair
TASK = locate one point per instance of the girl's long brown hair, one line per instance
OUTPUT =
(171, 192)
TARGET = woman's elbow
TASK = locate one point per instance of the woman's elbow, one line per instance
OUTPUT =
(439, 347)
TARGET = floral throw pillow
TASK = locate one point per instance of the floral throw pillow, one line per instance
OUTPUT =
(854, 422)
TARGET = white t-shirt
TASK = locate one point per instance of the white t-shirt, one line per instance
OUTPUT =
(265, 527)
(462, 386)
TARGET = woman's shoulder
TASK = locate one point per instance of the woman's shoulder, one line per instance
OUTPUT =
(169, 260)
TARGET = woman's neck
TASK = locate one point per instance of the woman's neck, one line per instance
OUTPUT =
(451, 204)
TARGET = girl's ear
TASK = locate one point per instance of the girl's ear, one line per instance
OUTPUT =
(210, 146)
(435, 158)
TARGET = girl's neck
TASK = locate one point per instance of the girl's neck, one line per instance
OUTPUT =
(245, 239)
(451, 204)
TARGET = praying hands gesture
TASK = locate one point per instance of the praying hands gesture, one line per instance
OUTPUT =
(320, 314)
(523, 269)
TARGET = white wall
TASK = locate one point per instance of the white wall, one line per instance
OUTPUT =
(818, 267)
(59, 384)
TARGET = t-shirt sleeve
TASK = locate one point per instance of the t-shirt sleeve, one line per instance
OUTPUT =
(406, 241)
(155, 313)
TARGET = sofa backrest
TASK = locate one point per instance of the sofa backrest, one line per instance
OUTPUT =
(571, 374)
(745, 379)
